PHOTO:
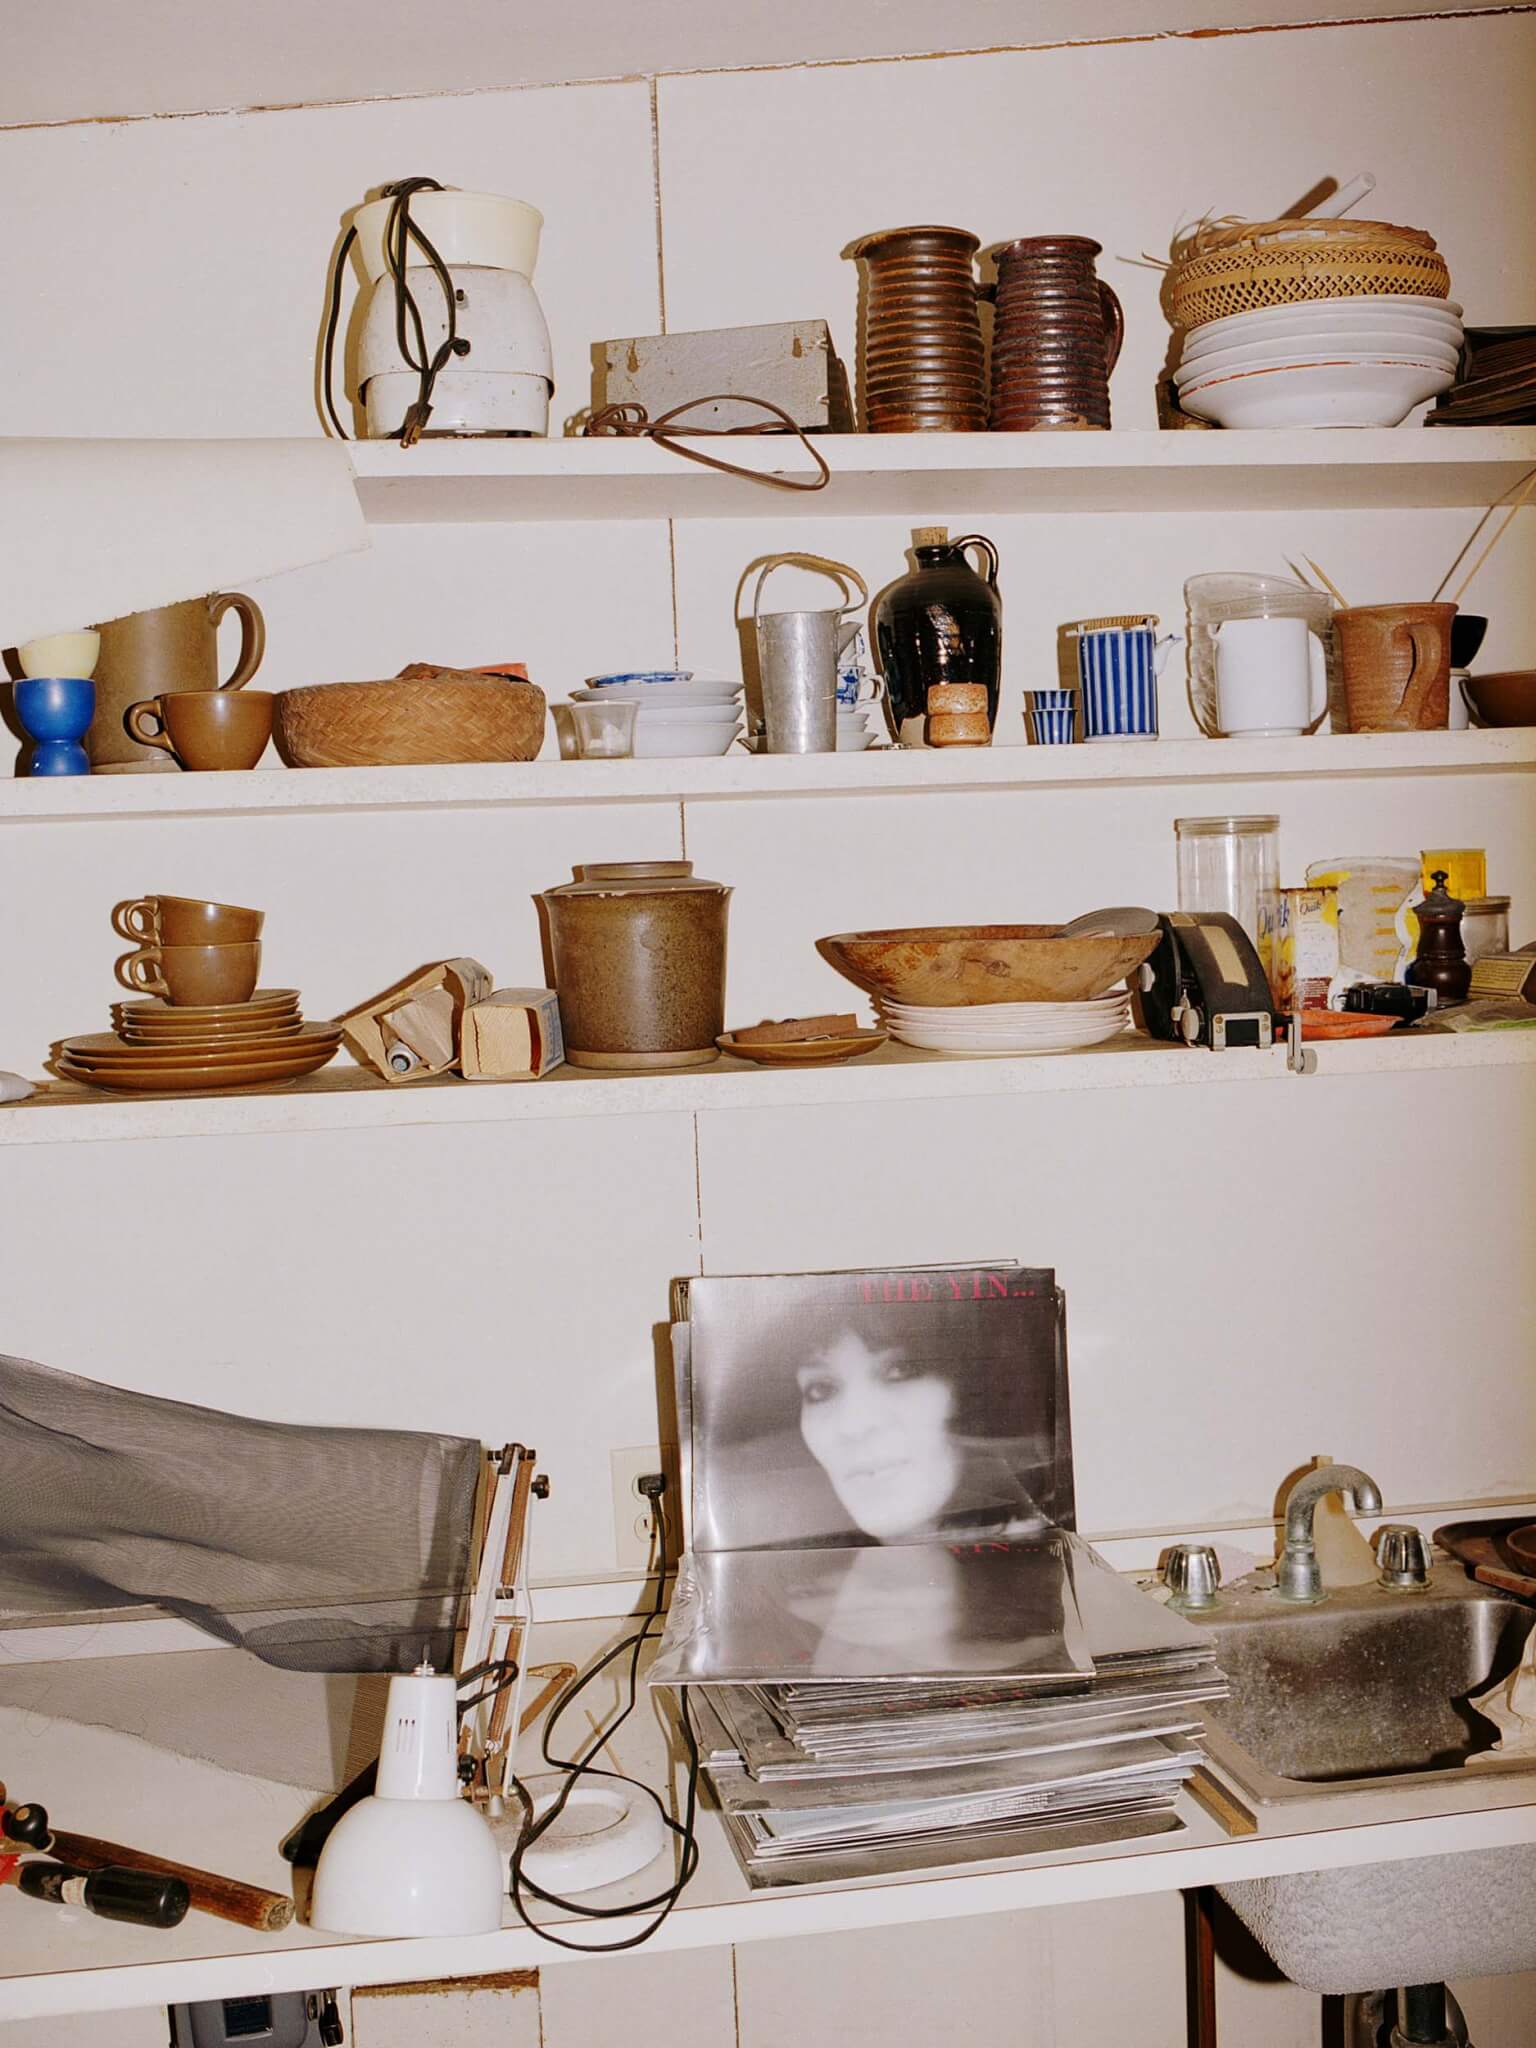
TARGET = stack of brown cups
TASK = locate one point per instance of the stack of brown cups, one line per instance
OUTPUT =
(1056, 338)
(921, 359)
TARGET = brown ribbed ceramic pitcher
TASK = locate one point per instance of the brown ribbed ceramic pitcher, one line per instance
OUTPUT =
(161, 653)
(921, 360)
(1396, 664)
(1056, 338)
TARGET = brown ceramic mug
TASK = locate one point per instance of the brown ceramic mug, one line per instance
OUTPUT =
(1396, 664)
(185, 921)
(206, 728)
(196, 975)
(173, 648)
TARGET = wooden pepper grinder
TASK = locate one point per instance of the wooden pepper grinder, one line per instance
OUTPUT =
(1441, 961)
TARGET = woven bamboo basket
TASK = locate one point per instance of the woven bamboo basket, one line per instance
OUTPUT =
(1242, 267)
(409, 720)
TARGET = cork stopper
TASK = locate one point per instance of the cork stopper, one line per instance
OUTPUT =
(930, 536)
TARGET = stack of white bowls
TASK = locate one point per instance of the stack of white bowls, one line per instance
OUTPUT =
(985, 1029)
(854, 732)
(678, 711)
(1357, 362)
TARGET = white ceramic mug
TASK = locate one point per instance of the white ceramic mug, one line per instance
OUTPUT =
(1460, 715)
(1271, 677)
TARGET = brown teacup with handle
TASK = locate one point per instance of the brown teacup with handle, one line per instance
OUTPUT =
(196, 975)
(172, 649)
(206, 729)
(185, 921)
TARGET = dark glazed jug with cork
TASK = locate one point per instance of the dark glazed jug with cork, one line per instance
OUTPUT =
(939, 625)
(639, 960)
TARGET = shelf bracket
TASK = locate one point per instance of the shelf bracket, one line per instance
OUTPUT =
(1301, 1059)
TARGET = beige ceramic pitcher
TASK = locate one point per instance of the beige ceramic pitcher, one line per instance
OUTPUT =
(159, 654)
(1396, 662)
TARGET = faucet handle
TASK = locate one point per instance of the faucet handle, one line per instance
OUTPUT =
(1191, 1573)
(1403, 1557)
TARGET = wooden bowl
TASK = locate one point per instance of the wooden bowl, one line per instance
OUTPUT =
(1506, 697)
(409, 720)
(952, 965)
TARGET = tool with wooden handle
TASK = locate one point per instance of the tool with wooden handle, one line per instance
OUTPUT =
(140, 1897)
(226, 1898)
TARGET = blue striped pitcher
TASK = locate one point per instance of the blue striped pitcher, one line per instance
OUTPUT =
(1118, 664)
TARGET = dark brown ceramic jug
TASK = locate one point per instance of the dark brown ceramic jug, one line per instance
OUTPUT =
(1056, 337)
(639, 960)
(921, 361)
(159, 654)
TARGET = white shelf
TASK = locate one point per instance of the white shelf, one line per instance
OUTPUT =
(907, 475)
(344, 1098)
(61, 1963)
(740, 776)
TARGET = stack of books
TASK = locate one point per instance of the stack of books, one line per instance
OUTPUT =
(898, 1655)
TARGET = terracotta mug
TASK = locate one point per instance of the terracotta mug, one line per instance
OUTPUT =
(197, 975)
(206, 728)
(159, 654)
(1396, 664)
(185, 921)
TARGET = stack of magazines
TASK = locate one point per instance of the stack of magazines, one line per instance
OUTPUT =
(897, 1653)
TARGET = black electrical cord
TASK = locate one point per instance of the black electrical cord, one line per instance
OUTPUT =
(400, 231)
(583, 1766)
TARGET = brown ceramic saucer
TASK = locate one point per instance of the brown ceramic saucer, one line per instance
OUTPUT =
(804, 1052)
(263, 999)
(169, 1078)
(105, 1049)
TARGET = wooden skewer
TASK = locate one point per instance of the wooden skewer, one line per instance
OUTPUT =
(1300, 574)
(1331, 587)
(1462, 551)
(1525, 491)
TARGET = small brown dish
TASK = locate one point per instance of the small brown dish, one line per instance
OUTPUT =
(804, 1052)
(1505, 697)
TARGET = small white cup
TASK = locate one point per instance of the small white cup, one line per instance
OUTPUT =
(61, 654)
(1271, 677)
(1461, 710)
(604, 732)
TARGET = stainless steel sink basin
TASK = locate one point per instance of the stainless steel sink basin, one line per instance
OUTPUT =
(1367, 1694)
(1370, 1685)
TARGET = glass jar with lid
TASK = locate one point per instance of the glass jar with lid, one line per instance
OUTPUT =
(1229, 864)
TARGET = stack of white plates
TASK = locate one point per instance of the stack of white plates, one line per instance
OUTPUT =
(988, 1028)
(679, 711)
(1356, 362)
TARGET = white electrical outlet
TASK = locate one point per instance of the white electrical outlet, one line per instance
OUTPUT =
(633, 1544)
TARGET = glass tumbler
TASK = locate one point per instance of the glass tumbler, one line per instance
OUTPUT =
(604, 732)
(1228, 864)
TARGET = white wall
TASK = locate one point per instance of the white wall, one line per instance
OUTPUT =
(1243, 1273)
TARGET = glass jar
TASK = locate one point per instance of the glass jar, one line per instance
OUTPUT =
(1228, 864)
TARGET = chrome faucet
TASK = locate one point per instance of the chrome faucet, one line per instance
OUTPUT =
(1297, 1576)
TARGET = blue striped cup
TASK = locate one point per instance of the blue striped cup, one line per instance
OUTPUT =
(1118, 663)
(1052, 716)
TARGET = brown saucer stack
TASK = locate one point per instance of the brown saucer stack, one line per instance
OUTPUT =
(156, 1048)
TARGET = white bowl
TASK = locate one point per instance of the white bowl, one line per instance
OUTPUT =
(1325, 312)
(1308, 355)
(978, 1047)
(687, 714)
(1327, 334)
(854, 742)
(659, 696)
(1317, 395)
(1348, 342)
(673, 742)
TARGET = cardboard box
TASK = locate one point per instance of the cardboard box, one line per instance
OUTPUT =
(790, 362)
(513, 1035)
(411, 1031)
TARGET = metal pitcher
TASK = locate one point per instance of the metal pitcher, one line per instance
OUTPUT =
(797, 657)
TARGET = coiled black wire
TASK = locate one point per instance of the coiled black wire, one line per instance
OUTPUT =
(400, 232)
(582, 1766)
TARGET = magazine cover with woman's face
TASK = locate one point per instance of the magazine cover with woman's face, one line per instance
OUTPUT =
(874, 1472)
(874, 1407)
